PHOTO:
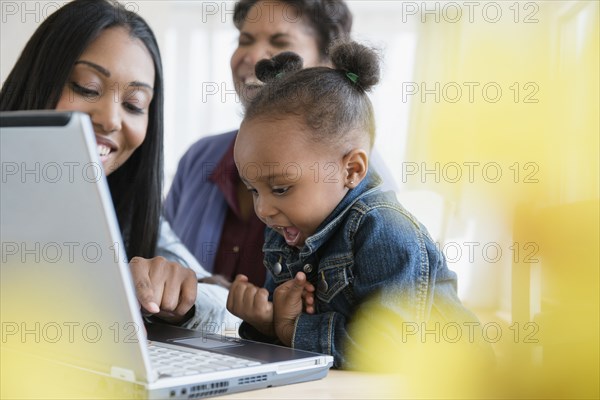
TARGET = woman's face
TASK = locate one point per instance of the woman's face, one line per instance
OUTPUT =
(112, 82)
(270, 28)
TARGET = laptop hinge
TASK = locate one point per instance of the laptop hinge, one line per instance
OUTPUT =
(122, 373)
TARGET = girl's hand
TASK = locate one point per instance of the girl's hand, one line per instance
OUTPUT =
(251, 303)
(289, 299)
(308, 297)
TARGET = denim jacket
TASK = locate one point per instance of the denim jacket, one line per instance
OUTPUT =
(369, 246)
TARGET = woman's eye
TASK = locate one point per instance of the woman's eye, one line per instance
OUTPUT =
(244, 41)
(252, 190)
(133, 109)
(84, 91)
(281, 191)
(281, 45)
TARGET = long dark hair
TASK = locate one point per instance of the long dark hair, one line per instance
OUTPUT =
(39, 76)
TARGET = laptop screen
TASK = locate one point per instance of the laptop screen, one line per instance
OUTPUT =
(66, 289)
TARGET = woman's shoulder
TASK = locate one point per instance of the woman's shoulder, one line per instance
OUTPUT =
(209, 144)
(208, 149)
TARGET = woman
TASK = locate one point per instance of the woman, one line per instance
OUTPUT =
(208, 206)
(98, 58)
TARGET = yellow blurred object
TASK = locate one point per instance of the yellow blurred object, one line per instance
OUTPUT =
(555, 355)
(522, 141)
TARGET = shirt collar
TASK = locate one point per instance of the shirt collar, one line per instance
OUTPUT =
(226, 178)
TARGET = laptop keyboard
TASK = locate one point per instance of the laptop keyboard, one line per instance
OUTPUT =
(170, 362)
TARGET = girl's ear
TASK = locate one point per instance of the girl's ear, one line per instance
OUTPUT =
(356, 164)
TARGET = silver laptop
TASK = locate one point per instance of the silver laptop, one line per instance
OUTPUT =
(68, 306)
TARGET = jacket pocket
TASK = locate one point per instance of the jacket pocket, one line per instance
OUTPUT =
(275, 264)
(333, 277)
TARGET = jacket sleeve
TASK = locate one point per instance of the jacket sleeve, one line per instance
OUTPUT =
(210, 314)
(170, 247)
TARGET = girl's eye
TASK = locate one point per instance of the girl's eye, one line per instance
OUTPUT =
(83, 90)
(280, 191)
(252, 190)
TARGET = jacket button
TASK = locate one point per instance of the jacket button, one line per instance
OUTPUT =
(308, 268)
(277, 268)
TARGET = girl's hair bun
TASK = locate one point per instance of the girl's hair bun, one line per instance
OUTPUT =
(267, 70)
(360, 60)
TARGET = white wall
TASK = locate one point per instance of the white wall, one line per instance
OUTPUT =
(197, 38)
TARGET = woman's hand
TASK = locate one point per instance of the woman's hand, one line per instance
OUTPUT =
(164, 289)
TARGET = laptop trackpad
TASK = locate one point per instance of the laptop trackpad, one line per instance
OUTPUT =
(206, 343)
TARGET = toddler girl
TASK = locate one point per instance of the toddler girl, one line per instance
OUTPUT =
(334, 240)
